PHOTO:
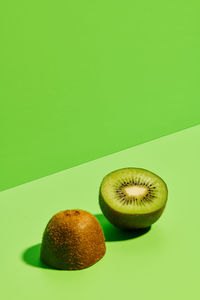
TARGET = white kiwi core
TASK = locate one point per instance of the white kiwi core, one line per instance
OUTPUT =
(136, 191)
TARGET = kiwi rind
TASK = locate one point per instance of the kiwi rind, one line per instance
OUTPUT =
(130, 221)
(72, 240)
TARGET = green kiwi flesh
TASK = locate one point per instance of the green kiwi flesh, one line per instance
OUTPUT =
(132, 198)
(72, 240)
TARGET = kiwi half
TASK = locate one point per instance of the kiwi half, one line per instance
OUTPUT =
(72, 240)
(132, 198)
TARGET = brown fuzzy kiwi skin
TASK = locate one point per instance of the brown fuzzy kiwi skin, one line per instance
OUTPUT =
(129, 221)
(72, 240)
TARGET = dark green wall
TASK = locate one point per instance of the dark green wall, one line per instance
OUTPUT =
(83, 79)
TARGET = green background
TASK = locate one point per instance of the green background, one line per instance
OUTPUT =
(82, 79)
(161, 264)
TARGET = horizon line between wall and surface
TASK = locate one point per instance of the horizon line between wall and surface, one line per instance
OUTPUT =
(105, 156)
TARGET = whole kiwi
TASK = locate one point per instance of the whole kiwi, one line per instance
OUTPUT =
(72, 240)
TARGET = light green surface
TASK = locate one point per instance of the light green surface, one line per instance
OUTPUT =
(82, 79)
(161, 264)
